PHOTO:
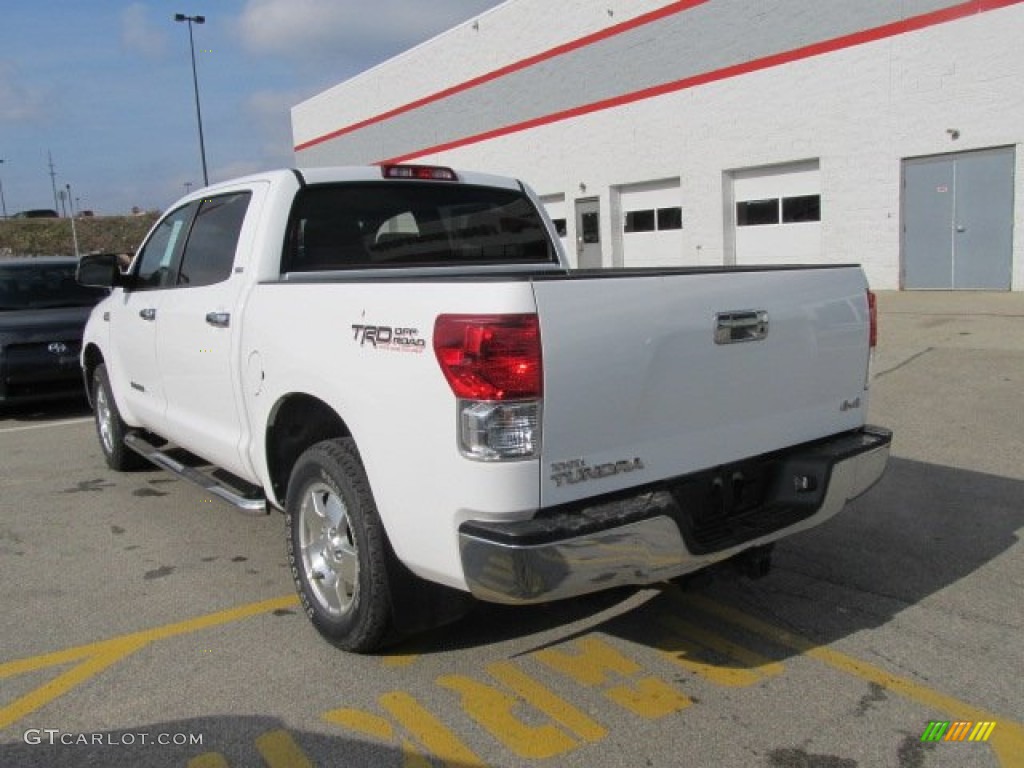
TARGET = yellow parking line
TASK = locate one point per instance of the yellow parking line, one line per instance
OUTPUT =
(279, 750)
(1007, 740)
(547, 702)
(503, 716)
(96, 657)
(405, 710)
(686, 655)
(431, 733)
(687, 647)
(63, 683)
(593, 663)
(399, 660)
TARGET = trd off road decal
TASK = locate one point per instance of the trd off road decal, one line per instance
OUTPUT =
(390, 338)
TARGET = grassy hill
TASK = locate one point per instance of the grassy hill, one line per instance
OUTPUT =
(52, 237)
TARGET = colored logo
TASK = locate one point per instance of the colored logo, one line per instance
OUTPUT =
(958, 730)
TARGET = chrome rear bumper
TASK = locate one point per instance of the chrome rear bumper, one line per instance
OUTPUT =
(644, 539)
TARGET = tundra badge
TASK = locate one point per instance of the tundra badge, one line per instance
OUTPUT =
(577, 471)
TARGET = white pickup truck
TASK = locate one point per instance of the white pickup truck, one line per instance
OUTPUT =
(400, 359)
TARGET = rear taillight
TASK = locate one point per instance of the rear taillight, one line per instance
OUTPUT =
(493, 365)
(873, 319)
(872, 338)
(490, 357)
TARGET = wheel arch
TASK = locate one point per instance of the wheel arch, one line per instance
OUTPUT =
(91, 358)
(297, 421)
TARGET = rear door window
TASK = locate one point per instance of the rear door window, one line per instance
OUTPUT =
(210, 252)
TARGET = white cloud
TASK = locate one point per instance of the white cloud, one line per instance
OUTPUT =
(140, 35)
(300, 28)
(17, 102)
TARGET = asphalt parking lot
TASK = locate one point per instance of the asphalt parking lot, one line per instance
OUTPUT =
(148, 624)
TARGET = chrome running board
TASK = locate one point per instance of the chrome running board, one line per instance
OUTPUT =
(245, 498)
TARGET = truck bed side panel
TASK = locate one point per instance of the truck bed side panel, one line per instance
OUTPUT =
(309, 339)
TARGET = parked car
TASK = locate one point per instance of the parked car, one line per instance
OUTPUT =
(400, 359)
(42, 318)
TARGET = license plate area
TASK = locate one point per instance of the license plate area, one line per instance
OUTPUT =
(735, 503)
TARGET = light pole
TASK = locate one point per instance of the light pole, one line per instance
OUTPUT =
(53, 179)
(3, 203)
(74, 233)
(195, 85)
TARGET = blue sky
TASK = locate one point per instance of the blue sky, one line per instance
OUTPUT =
(106, 87)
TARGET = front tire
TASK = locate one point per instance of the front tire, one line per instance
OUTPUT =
(337, 547)
(110, 427)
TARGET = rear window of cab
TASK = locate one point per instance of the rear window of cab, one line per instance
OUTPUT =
(374, 225)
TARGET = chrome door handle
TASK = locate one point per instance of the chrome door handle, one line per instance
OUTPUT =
(148, 314)
(745, 325)
(218, 319)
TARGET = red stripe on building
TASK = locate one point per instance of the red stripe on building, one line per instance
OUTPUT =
(551, 53)
(875, 34)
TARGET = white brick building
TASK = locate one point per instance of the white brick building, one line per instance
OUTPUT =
(708, 132)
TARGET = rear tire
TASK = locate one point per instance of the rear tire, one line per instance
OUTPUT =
(337, 547)
(110, 427)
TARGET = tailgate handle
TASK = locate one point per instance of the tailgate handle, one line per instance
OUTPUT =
(744, 325)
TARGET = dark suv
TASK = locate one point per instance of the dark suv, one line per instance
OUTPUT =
(42, 317)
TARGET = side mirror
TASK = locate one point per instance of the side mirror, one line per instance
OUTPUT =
(101, 270)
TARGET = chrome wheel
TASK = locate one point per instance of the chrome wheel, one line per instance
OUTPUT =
(330, 555)
(110, 427)
(104, 420)
(337, 549)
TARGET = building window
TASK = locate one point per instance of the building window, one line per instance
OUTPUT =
(670, 218)
(802, 208)
(560, 227)
(752, 213)
(590, 227)
(640, 221)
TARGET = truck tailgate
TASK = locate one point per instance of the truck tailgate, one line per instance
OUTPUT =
(637, 388)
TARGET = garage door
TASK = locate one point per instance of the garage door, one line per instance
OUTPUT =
(651, 224)
(958, 221)
(776, 214)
